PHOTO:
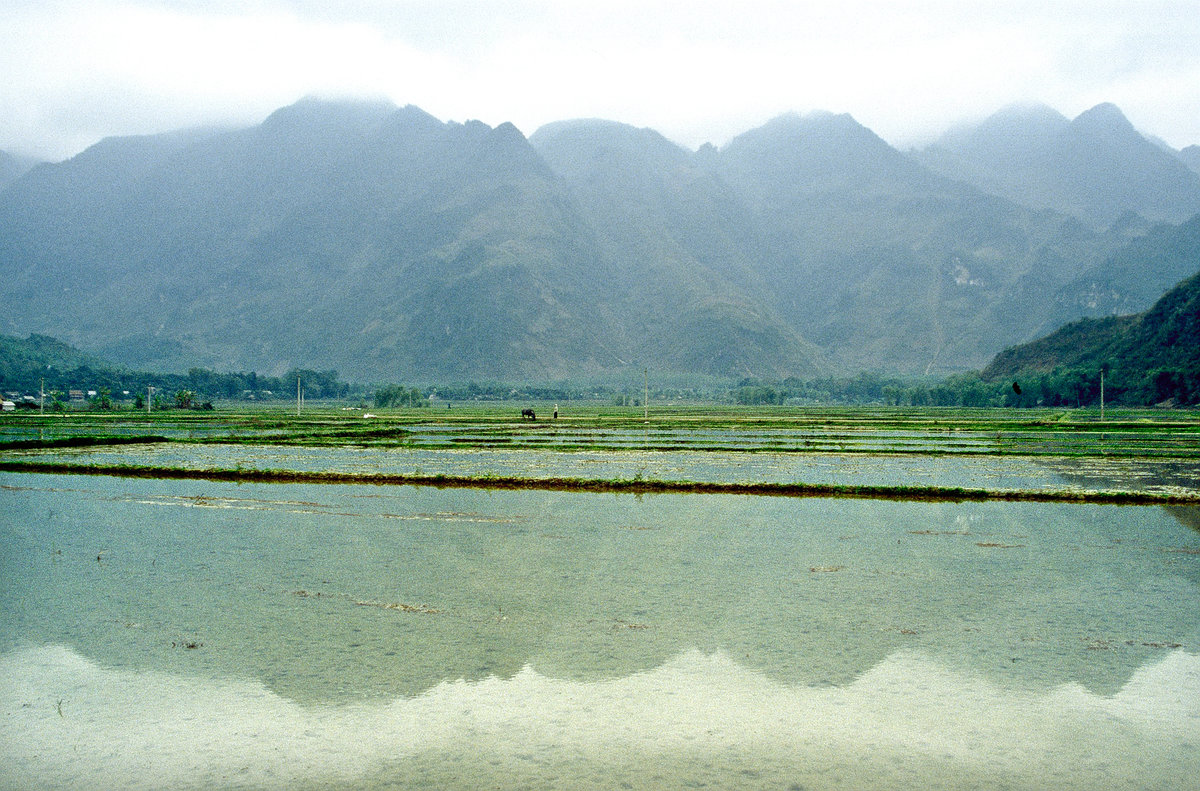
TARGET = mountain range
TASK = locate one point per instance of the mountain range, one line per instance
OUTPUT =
(1097, 166)
(382, 242)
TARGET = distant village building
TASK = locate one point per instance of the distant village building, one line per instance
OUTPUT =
(8, 406)
(75, 395)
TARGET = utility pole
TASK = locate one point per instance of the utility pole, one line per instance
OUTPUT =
(1101, 395)
(149, 390)
(42, 396)
(646, 394)
(298, 396)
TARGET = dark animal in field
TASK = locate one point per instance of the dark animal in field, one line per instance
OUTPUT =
(528, 413)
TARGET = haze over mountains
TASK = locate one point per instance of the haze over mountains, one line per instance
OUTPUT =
(1096, 167)
(12, 167)
(391, 246)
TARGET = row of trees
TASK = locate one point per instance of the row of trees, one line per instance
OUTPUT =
(316, 384)
(1071, 387)
(25, 366)
(1060, 388)
(870, 388)
(1080, 387)
(198, 384)
(399, 396)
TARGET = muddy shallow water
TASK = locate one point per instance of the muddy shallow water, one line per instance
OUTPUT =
(993, 473)
(199, 634)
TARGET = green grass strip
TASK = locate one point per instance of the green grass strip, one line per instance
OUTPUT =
(622, 486)
(78, 442)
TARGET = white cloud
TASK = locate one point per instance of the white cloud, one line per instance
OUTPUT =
(694, 70)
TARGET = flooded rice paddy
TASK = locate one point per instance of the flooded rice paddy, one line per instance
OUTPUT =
(200, 634)
(1164, 476)
(219, 634)
(862, 431)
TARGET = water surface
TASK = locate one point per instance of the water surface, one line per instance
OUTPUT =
(198, 634)
(992, 473)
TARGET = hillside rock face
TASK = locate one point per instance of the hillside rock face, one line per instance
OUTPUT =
(1135, 276)
(386, 244)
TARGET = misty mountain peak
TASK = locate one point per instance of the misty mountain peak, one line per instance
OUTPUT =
(822, 150)
(328, 116)
(579, 126)
(1029, 112)
(597, 131)
(596, 146)
(817, 121)
(412, 116)
(1096, 167)
(386, 243)
(820, 134)
(1104, 118)
(508, 131)
(1011, 126)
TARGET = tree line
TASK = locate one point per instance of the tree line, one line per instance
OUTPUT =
(26, 365)
(1064, 387)
(179, 390)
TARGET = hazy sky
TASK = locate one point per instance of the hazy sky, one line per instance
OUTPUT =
(74, 71)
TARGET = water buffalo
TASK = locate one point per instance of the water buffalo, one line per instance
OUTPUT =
(528, 413)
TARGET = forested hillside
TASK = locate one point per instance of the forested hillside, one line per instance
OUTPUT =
(1148, 358)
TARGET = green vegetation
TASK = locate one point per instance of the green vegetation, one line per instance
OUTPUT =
(30, 442)
(29, 364)
(694, 427)
(967, 390)
(25, 364)
(399, 396)
(1149, 358)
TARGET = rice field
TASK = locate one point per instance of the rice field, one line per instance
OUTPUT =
(1151, 454)
(716, 597)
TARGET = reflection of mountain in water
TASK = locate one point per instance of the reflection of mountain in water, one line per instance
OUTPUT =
(1187, 515)
(910, 721)
(336, 593)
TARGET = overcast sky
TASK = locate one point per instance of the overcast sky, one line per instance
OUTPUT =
(74, 71)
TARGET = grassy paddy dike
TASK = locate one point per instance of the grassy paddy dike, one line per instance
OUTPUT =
(48, 443)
